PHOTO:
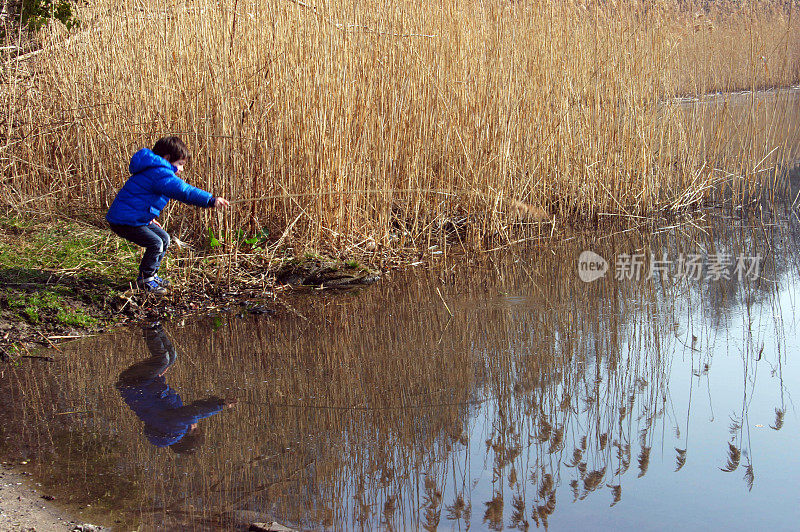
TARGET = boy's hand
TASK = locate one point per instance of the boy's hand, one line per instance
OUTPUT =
(221, 203)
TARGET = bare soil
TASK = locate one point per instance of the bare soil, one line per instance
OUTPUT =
(24, 508)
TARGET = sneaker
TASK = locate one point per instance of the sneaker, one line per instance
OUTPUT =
(151, 286)
(161, 282)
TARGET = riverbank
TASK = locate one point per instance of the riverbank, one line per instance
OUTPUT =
(65, 278)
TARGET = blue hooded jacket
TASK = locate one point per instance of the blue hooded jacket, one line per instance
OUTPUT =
(166, 419)
(152, 184)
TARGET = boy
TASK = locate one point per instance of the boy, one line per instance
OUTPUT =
(154, 181)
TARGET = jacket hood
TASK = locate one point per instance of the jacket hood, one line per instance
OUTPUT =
(145, 158)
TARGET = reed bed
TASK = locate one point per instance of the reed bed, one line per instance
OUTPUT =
(337, 121)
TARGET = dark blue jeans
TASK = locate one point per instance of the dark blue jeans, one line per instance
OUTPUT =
(162, 356)
(152, 238)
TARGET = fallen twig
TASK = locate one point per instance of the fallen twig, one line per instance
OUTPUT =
(39, 357)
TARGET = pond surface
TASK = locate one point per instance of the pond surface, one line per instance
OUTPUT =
(488, 393)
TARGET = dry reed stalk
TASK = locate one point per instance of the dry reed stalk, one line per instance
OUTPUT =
(566, 108)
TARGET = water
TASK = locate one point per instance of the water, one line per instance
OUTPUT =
(489, 392)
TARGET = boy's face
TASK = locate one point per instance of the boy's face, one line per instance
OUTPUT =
(179, 164)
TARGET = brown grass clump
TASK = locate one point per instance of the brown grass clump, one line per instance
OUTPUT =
(344, 120)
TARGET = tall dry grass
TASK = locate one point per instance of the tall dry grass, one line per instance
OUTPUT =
(337, 121)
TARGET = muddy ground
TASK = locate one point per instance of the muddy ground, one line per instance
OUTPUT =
(25, 508)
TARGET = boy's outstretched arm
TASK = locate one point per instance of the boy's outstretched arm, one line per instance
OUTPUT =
(197, 410)
(176, 188)
(221, 203)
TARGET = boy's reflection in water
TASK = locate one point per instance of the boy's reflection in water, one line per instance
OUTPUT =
(167, 422)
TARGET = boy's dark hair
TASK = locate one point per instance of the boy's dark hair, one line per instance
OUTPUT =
(172, 149)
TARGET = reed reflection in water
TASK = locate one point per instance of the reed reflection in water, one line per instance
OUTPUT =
(486, 393)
